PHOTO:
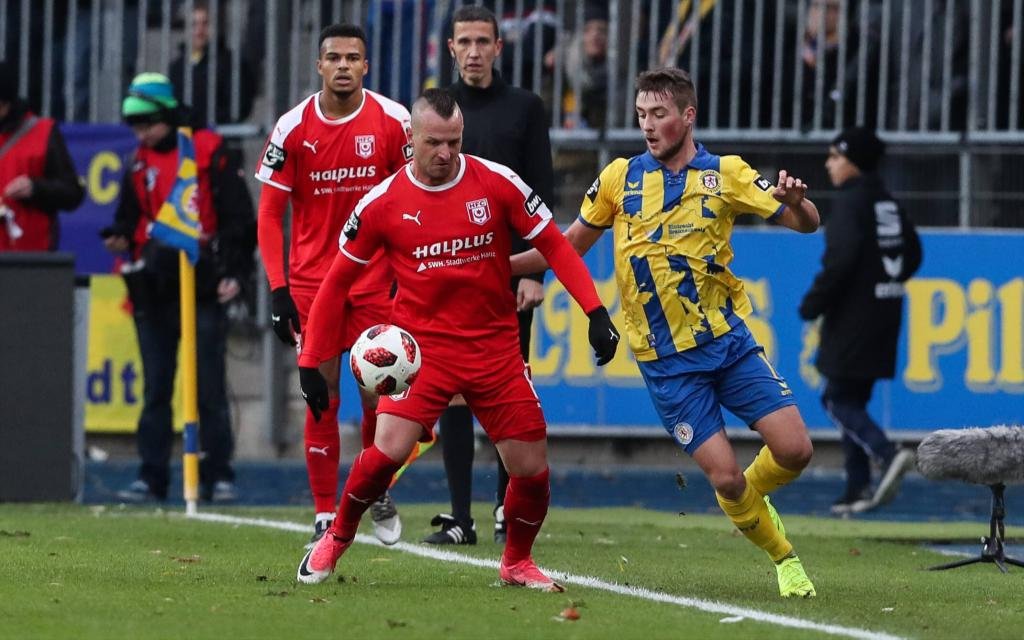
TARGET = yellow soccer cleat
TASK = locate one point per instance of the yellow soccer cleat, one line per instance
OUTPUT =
(793, 581)
(775, 517)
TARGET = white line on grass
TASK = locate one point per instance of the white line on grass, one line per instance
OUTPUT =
(582, 581)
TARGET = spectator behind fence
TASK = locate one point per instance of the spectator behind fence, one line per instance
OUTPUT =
(930, 29)
(227, 241)
(199, 57)
(836, 98)
(110, 22)
(871, 248)
(37, 176)
(586, 71)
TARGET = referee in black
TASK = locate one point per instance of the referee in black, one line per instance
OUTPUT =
(508, 125)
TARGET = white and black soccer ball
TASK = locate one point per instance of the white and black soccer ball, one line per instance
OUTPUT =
(385, 359)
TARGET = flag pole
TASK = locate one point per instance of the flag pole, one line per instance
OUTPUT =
(190, 449)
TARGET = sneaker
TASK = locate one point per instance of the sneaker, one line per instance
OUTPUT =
(452, 531)
(526, 574)
(851, 502)
(793, 580)
(889, 485)
(138, 492)
(224, 491)
(775, 517)
(386, 524)
(500, 531)
(318, 563)
(320, 527)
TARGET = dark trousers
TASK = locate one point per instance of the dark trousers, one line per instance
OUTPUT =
(157, 323)
(845, 401)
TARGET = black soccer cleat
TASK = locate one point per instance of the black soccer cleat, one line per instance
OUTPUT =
(452, 531)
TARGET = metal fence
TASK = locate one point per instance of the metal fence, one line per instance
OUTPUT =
(940, 79)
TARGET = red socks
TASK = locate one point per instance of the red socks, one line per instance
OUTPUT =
(323, 452)
(369, 479)
(526, 505)
(368, 427)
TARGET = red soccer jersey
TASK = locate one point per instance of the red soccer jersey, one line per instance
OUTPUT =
(327, 166)
(449, 246)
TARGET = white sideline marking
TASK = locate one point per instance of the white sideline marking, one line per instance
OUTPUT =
(582, 581)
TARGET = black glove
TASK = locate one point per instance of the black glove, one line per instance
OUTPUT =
(314, 390)
(603, 335)
(284, 315)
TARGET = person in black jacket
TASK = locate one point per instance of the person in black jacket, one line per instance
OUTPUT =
(507, 125)
(227, 242)
(871, 249)
(200, 58)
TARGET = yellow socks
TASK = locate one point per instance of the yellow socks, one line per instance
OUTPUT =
(751, 516)
(767, 475)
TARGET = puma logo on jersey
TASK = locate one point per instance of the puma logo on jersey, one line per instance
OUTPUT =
(321, 450)
(414, 218)
(311, 146)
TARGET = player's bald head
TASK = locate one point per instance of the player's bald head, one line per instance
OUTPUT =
(437, 102)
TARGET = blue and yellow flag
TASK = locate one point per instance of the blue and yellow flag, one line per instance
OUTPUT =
(177, 222)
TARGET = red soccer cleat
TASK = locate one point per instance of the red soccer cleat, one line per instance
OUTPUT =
(318, 563)
(526, 574)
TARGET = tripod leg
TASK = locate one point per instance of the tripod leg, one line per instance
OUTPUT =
(958, 563)
(1014, 561)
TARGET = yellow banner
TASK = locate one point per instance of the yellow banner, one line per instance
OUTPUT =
(114, 382)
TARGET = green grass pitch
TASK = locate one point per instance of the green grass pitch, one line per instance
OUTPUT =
(107, 572)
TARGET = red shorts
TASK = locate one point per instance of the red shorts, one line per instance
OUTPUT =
(503, 400)
(357, 318)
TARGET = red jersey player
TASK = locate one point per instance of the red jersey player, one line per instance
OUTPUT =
(324, 155)
(445, 223)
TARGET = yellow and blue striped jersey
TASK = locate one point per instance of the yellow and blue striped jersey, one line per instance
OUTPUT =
(672, 245)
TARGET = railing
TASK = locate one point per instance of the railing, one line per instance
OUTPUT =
(938, 78)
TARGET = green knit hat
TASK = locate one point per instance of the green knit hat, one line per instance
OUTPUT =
(149, 94)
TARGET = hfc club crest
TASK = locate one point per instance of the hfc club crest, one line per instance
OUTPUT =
(479, 211)
(364, 146)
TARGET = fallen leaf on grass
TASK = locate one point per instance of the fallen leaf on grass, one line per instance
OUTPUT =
(854, 551)
(570, 613)
(193, 559)
(393, 624)
(14, 534)
(318, 600)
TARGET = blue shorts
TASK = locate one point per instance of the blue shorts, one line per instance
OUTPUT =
(690, 388)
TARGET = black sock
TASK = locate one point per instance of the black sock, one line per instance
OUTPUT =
(457, 446)
(502, 483)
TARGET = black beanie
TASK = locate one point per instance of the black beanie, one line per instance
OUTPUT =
(8, 83)
(861, 147)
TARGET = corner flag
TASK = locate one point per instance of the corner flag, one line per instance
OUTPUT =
(177, 222)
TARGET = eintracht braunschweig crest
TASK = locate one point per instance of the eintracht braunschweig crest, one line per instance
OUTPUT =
(479, 212)
(364, 146)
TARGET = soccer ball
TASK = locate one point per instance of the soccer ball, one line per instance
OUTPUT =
(385, 360)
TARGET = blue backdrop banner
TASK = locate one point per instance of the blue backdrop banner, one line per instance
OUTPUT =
(961, 352)
(99, 152)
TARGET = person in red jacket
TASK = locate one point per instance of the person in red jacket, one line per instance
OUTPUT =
(227, 242)
(36, 174)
